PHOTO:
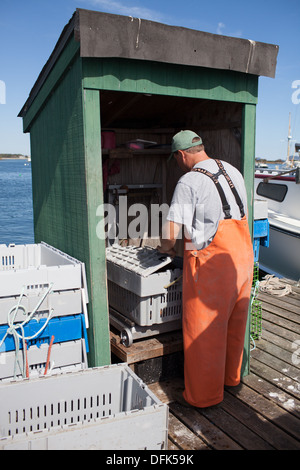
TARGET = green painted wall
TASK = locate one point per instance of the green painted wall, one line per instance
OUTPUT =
(67, 188)
(58, 166)
(169, 79)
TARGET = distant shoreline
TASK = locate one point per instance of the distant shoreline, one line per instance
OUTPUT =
(23, 157)
(278, 161)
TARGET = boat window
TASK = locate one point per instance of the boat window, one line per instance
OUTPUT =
(273, 191)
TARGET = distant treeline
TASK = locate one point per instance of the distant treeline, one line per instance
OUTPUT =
(264, 160)
(12, 155)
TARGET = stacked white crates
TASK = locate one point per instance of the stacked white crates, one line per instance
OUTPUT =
(145, 289)
(43, 296)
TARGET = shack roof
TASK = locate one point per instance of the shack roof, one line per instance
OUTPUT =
(115, 36)
(107, 35)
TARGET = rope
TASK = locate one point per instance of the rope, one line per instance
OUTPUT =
(272, 285)
(27, 364)
(172, 283)
(12, 329)
(254, 345)
(254, 293)
(48, 355)
(253, 296)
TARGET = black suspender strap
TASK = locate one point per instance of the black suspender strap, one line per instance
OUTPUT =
(214, 177)
(233, 188)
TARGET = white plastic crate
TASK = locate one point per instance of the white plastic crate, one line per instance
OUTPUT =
(37, 267)
(135, 269)
(141, 260)
(31, 273)
(136, 290)
(146, 311)
(70, 353)
(101, 408)
(58, 303)
(260, 210)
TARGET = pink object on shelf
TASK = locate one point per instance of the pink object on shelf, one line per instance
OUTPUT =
(108, 140)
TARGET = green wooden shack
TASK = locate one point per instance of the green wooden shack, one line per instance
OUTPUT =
(131, 79)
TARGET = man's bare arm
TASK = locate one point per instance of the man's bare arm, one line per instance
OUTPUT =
(170, 233)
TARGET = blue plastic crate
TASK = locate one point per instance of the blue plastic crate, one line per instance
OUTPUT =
(260, 236)
(261, 228)
(63, 329)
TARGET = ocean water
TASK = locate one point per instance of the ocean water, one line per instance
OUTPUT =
(16, 212)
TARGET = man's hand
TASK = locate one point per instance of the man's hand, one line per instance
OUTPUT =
(168, 240)
(171, 252)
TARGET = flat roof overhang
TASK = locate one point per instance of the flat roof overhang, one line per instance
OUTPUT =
(103, 35)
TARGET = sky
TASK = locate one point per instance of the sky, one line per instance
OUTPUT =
(30, 29)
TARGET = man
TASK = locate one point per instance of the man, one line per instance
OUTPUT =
(210, 202)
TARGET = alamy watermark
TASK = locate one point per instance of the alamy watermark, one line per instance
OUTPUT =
(138, 221)
(2, 92)
(296, 93)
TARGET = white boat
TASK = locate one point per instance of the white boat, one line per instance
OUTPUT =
(282, 191)
(262, 165)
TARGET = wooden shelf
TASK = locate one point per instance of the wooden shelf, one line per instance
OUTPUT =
(129, 153)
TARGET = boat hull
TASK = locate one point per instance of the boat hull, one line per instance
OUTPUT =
(282, 257)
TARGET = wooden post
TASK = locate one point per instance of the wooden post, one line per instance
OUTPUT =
(248, 155)
(248, 167)
(99, 339)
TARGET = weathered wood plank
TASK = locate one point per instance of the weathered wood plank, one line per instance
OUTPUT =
(281, 313)
(257, 436)
(277, 330)
(282, 381)
(204, 428)
(275, 339)
(274, 424)
(272, 393)
(282, 367)
(283, 322)
(167, 390)
(289, 302)
(235, 428)
(277, 351)
(172, 446)
(183, 437)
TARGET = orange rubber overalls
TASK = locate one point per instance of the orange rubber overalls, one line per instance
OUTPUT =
(216, 292)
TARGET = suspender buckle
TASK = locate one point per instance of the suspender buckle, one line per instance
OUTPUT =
(226, 209)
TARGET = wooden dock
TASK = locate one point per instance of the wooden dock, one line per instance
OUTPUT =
(263, 413)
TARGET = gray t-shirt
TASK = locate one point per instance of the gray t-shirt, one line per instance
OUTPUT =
(196, 203)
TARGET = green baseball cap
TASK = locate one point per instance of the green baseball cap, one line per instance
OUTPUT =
(184, 140)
